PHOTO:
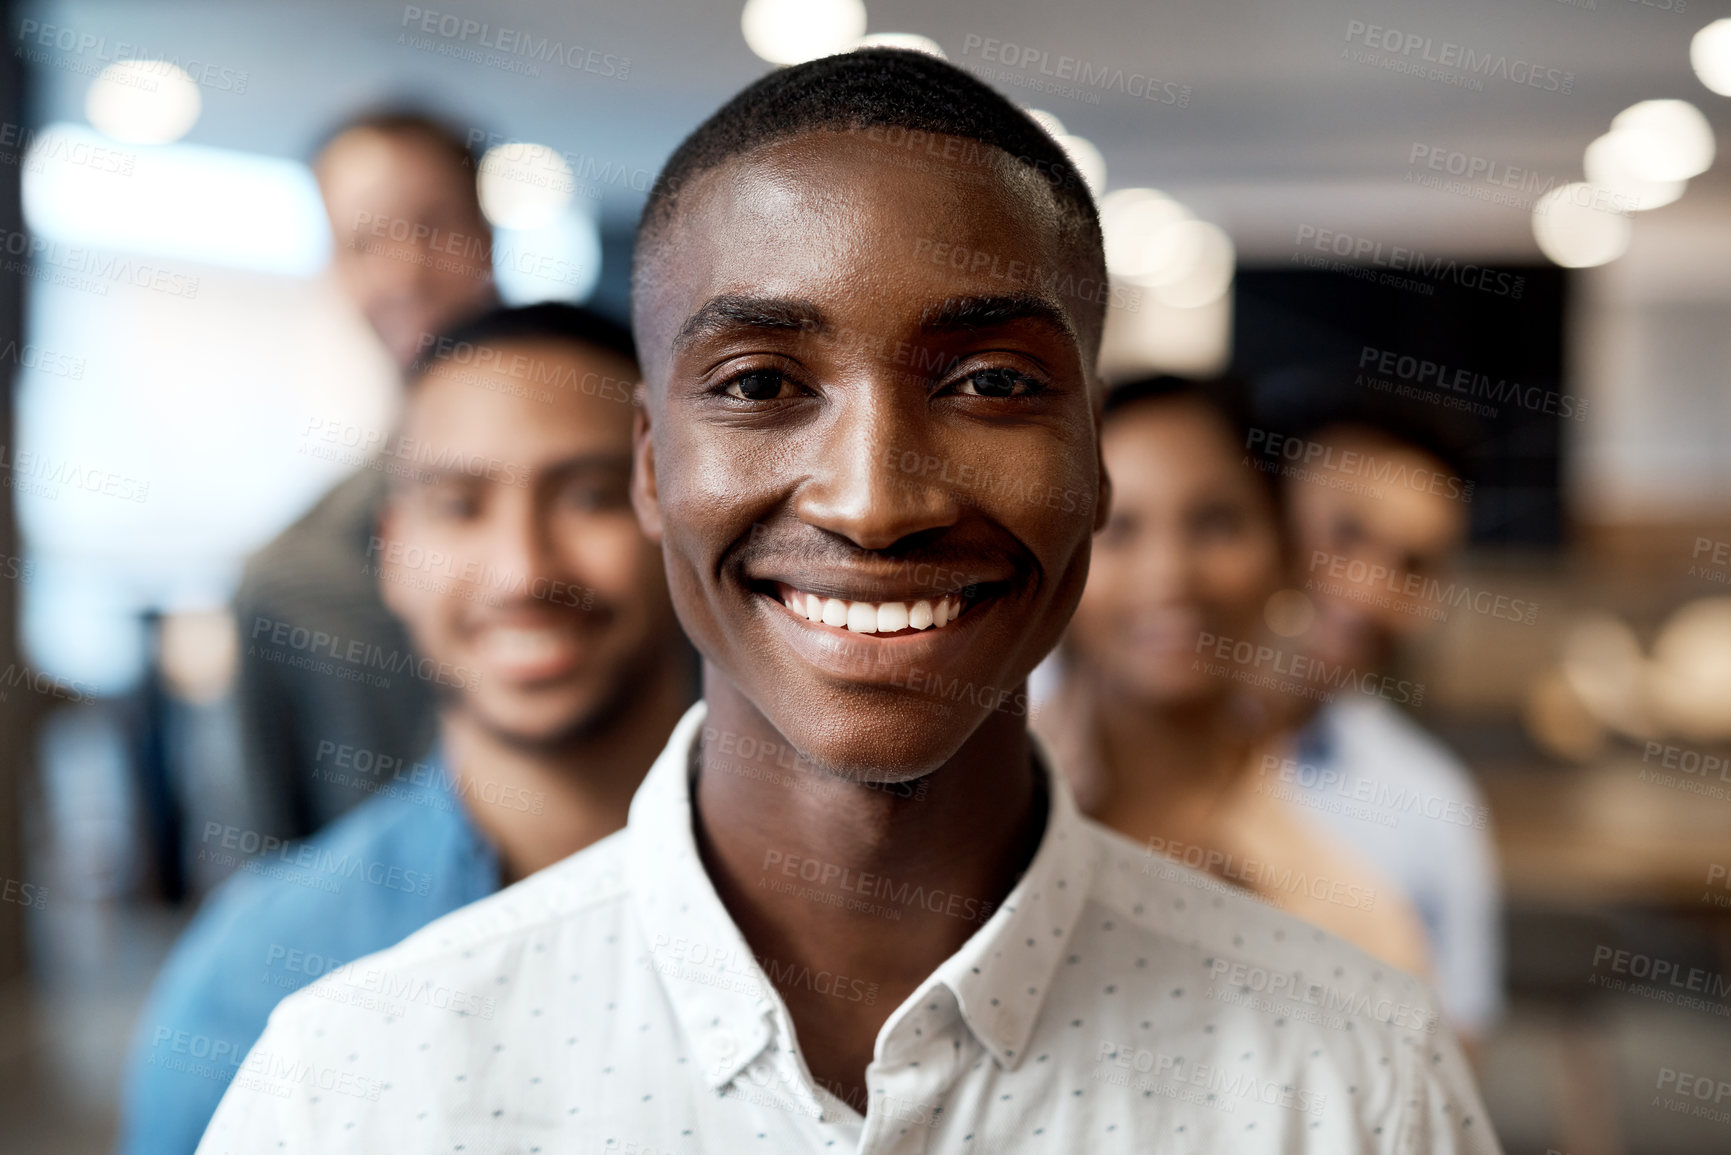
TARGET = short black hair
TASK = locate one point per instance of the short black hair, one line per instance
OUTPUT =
(549, 321)
(883, 88)
(1313, 402)
(1226, 399)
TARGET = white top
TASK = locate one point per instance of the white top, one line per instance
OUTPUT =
(1114, 1002)
(1397, 796)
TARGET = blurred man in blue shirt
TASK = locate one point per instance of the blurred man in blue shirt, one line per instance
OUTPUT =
(541, 620)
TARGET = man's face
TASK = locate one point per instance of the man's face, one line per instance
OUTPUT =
(1191, 546)
(1357, 550)
(840, 422)
(412, 251)
(509, 548)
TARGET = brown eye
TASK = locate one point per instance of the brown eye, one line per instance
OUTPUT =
(998, 383)
(759, 385)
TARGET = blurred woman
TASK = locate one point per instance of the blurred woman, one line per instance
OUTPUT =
(1163, 740)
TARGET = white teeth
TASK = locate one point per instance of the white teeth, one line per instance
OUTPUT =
(874, 617)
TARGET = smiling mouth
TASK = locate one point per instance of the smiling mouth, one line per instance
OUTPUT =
(885, 619)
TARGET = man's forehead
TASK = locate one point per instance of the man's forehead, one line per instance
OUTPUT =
(830, 218)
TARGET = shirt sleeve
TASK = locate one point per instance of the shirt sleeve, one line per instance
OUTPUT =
(1441, 1112)
(188, 1043)
(261, 1111)
(1469, 945)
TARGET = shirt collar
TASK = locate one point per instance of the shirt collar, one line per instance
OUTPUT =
(1002, 975)
(999, 978)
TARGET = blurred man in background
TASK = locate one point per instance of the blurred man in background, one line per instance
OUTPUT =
(413, 253)
(1379, 512)
(540, 613)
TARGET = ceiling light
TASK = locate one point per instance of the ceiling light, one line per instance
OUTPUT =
(795, 31)
(1575, 234)
(143, 102)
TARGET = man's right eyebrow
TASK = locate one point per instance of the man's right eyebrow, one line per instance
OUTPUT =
(734, 311)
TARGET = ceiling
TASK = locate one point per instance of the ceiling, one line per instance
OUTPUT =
(1282, 127)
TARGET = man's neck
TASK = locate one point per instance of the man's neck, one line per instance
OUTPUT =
(538, 804)
(816, 869)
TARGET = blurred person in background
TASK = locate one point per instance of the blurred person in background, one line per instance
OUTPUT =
(518, 567)
(1378, 518)
(1157, 744)
(413, 254)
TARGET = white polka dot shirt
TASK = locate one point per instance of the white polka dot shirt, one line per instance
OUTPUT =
(1115, 1002)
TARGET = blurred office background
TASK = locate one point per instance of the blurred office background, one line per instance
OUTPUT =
(167, 327)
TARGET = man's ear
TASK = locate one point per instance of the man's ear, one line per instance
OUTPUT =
(1103, 506)
(645, 497)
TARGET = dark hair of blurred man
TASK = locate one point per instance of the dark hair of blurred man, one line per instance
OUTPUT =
(412, 253)
(539, 609)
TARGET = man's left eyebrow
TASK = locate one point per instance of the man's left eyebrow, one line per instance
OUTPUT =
(735, 311)
(961, 314)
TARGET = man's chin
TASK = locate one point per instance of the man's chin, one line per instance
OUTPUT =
(900, 745)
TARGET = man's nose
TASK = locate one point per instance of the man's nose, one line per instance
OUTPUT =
(877, 472)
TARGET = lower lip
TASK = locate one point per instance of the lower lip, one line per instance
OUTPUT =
(873, 659)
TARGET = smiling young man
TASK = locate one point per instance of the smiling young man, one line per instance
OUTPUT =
(853, 908)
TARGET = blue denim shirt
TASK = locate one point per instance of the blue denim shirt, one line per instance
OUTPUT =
(387, 868)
